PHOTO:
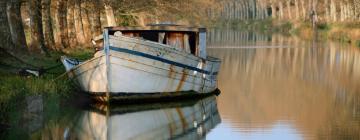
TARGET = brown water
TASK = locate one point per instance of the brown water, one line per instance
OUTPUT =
(272, 87)
(286, 88)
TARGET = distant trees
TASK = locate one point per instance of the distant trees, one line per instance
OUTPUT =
(303, 10)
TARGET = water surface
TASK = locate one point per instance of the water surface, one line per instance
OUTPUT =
(276, 87)
(272, 87)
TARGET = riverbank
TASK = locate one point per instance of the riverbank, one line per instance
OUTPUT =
(15, 84)
(342, 32)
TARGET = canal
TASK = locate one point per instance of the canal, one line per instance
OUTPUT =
(272, 87)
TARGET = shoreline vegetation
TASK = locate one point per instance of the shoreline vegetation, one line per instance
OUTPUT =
(37, 39)
(348, 33)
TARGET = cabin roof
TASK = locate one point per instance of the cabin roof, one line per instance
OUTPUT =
(159, 27)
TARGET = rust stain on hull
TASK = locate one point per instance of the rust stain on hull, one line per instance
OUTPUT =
(182, 80)
(171, 75)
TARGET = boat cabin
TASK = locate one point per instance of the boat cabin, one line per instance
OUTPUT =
(189, 39)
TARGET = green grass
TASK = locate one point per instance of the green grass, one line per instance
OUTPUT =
(358, 43)
(14, 87)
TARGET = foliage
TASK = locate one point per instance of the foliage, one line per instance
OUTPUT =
(323, 26)
(358, 43)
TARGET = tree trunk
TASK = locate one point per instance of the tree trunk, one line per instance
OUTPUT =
(288, 9)
(333, 11)
(327, 10)
(314, 16)
(5, 36)
(341, 11)
(86, 21)
(357, 9)
(95, 18)
(71, 23)
(48, 29)
(281, 10)
(15, 24)
(62, 12)
(303, 11)
(36, 29)
(296, 9)
(273, 11)
(78, 23)
(109, 12)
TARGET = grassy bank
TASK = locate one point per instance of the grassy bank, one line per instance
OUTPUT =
(15, 86)
(341, 32)
(263, 26)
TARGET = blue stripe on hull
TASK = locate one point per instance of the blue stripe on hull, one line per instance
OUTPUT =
(161, 60)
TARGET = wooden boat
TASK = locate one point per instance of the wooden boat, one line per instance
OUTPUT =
(190, 119)
(155, 60)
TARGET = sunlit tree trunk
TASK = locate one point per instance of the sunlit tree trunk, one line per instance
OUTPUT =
(281, 10)
(333, 11)
(86, 21)
(71, 23)
(15, 24)
(297, 15)
(288, 9)
(273, 11)
(303, 9)
(327, 10)
(95, 18)
(78, 23)
(109, 12)
(342, 11)
(62, 13)
(5, 36)
(36, 29)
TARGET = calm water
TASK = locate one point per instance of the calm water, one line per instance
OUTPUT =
(286, 88)
(273, 87)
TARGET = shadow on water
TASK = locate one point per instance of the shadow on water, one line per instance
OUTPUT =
(42, 118)
(286, 88)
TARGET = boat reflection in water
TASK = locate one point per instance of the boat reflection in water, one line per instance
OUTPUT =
(181, 120)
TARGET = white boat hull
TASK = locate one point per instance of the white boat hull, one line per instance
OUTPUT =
(137, 66)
